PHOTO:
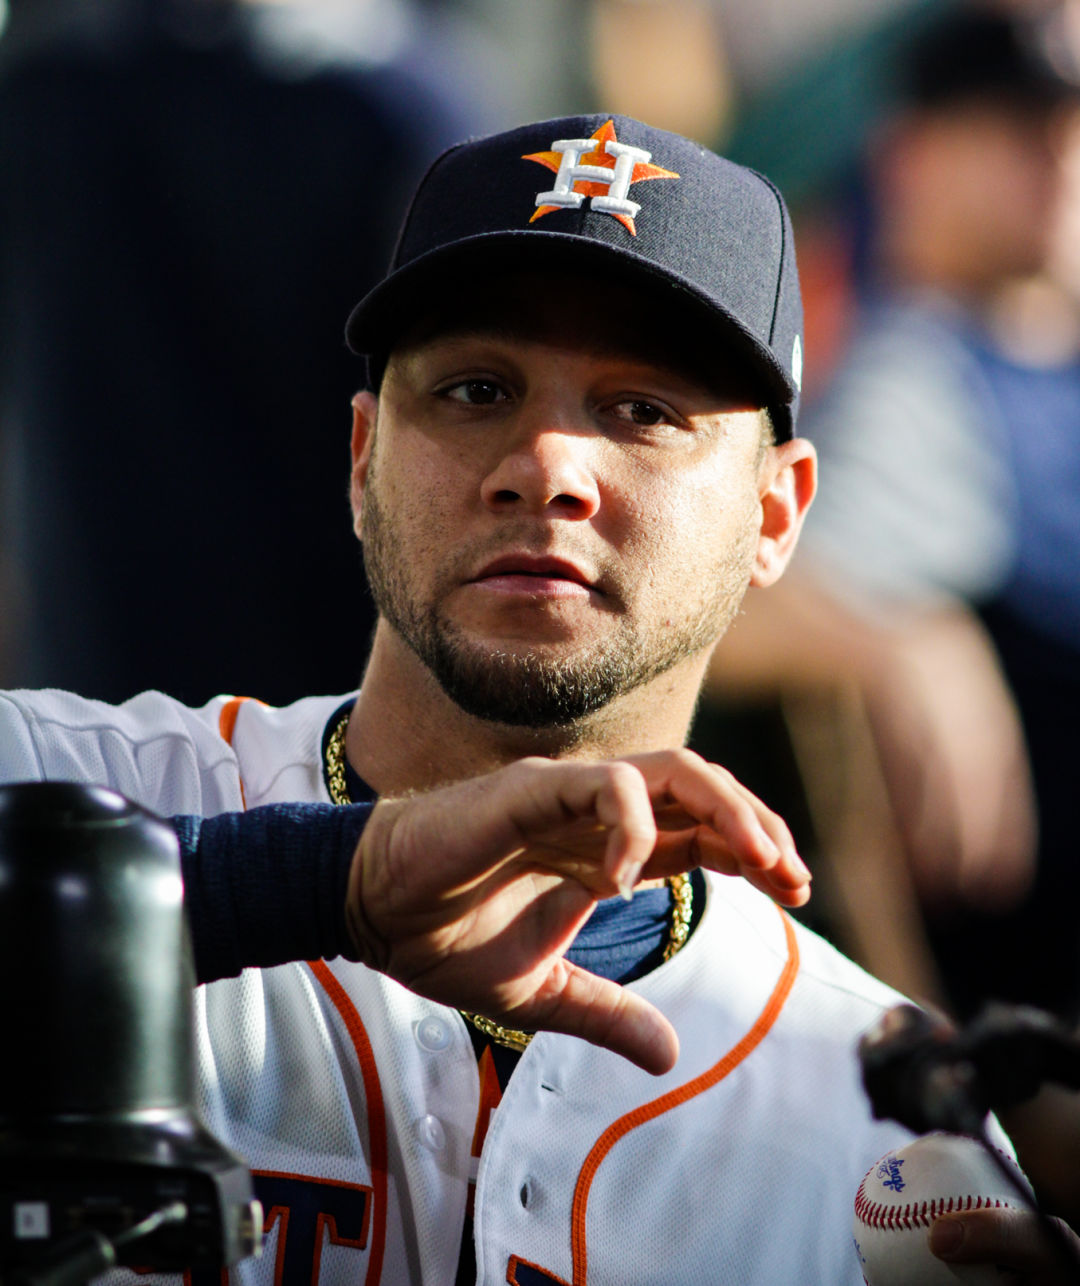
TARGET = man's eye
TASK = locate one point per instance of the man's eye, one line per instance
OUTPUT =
(475, 392)
(641, 412)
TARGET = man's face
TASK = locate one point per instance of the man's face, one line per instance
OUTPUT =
(992, 175)
(552, 514)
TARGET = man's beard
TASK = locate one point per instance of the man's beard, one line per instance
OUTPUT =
(527, 690)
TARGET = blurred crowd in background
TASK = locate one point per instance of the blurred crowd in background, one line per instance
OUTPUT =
(194, 192)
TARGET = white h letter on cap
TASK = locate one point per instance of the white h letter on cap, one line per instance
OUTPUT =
(617, 180)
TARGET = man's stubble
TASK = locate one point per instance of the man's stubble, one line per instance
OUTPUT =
(527, 689)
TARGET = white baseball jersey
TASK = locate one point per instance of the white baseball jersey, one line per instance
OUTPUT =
(355, 1101)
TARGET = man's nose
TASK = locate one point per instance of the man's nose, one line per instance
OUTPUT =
(546, 469)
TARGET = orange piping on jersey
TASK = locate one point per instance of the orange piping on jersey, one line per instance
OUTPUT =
(226, 727)
(227, 718)
(376, 1112)
(650, 1111)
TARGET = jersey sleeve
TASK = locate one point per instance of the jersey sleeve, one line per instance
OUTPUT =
(20, 759)
(167, 757)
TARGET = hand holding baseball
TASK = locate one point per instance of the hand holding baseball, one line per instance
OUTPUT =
(1013, 1241)
(471, 894)
(940, 1211)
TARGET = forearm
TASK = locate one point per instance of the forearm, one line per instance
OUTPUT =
(799, 634)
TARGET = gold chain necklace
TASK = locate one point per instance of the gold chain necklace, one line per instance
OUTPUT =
(682, 893)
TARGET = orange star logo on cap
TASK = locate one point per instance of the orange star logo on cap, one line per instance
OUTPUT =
(579, 174)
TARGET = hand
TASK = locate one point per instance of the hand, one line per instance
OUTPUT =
(471, 894)
(1012, 1240)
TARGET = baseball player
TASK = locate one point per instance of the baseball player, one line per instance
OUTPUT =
(576, 453)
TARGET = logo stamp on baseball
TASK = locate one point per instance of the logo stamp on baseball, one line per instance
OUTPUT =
(903, 1193)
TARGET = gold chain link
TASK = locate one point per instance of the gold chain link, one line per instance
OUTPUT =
(335, 762)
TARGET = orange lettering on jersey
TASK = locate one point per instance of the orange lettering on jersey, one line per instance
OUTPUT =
(305, 1211)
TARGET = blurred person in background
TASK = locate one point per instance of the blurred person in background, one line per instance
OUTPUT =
(192, 192)
(940, 575)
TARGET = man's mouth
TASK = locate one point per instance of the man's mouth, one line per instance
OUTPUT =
(538, 576)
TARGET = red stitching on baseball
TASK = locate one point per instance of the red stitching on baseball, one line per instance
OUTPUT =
(876, 1215)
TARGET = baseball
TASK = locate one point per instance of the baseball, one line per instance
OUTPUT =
(901, 1196)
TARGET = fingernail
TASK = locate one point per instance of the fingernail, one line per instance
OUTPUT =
(946, 1237)
(767, 844)
(799, 865)
(627, 880)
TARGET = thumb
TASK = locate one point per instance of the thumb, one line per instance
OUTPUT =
(612, 1017)
(1005, 1237)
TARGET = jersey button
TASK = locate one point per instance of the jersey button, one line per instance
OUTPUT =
(430, 1132)
(432, 1034)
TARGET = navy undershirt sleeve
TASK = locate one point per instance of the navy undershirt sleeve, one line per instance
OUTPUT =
(268, 886)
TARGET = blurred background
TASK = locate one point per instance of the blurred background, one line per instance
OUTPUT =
(193, 193)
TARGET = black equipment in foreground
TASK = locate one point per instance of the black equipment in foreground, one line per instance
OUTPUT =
(929, 1075)
(103, 1158)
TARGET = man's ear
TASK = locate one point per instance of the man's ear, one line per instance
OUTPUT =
(365, 407)
(786, 485)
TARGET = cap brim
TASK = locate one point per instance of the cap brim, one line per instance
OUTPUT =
(378, 322)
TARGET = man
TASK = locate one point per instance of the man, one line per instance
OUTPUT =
(578, 452)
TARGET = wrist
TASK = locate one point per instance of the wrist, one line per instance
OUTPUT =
(368, 945)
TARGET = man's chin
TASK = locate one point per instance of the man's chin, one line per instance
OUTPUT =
(553, 646)
(534, 687)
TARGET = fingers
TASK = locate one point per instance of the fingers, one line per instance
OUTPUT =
(1009, 1239)
(622, 805)
(705, 817)
(593, 822)
(612, 1017)
(598, 824)
(736, 833)
(787, 881)
(712, 795)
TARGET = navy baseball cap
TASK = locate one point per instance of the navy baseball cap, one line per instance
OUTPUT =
(612, 195)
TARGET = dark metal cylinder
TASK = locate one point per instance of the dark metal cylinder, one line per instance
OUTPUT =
(97, 965)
